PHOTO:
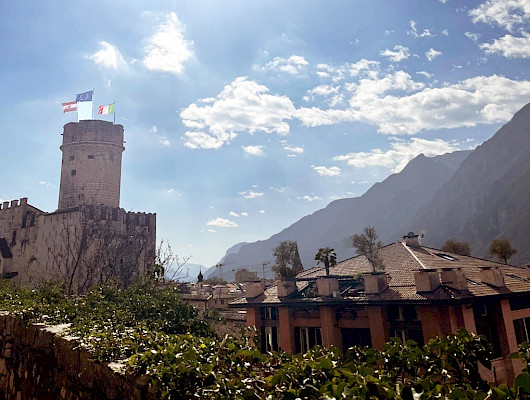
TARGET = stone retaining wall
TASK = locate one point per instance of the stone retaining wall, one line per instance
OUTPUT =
(37, 364)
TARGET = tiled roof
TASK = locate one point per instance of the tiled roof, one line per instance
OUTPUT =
(401, 262)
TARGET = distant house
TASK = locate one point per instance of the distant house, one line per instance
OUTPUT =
(423, 293)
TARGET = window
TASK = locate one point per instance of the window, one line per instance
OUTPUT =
(269, 338)
(24, 219)
(270, 313)
(72, 158)
(14, 238)
(114, 214)
(355, 337)
(522, 329)
(90, 156)
(307, 338)
(446, 256)
(74, 172)
(519, 302)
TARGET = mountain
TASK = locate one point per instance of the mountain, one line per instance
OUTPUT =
(386, 205)
(487, 197)
(189, 272)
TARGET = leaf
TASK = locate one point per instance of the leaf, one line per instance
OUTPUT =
(523, 381)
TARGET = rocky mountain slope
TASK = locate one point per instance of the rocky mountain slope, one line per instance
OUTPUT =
(488, 196)
(386, 205)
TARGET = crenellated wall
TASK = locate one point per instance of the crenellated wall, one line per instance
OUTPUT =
(37, 364)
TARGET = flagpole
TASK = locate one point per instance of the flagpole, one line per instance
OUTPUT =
(93, 92)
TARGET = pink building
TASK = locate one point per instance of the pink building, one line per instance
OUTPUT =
(422, 293)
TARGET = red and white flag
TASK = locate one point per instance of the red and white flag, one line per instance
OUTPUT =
(69, 107)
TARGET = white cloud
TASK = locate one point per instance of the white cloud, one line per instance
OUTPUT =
(108, 56)
(473, 36)
(294, 149)
(242, 106)
(399, 155)
(250, 194)
(168, 49)
(507, 14)
(48, 185)
(478, 100)
(222, 223)
(153, 129)
(431, 54)
(414, 31)
(509, 46)
(294, 65)
(262, 211)
(234, 214)
(212, 230)
(244, 214)
(309, 198)
(171, 191)
(164, 140)
(279, 189)
(445, 32)
(424, 73)
(400, 53)
(253, 150)
(325, 171)
(387, 32)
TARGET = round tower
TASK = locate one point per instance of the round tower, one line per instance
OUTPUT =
(91, 164)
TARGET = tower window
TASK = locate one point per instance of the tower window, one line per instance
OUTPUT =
(72, 158)
(90, 156)
(74, 172)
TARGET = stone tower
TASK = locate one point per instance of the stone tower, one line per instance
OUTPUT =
(91, 164)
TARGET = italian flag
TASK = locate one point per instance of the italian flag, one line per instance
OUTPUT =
(106, 109)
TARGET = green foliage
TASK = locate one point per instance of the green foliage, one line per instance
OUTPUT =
(454, 246)
(287, 260)
(327, 256)
(150, 329)
(502, 249)
(366, 244)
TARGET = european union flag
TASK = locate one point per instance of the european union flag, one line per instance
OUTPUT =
(87, 96)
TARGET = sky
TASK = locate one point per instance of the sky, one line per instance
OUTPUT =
(241, 117)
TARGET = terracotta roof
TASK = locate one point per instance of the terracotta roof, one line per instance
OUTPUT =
(401, 262)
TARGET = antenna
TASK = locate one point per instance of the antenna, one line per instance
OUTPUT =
(265, 263)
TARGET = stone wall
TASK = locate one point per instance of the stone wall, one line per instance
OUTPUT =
(37, 364)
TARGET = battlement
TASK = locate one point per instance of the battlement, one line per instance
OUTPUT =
(92, 131)
(128, 218)
(13, 203)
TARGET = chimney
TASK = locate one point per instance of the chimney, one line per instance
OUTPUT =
(492, 276)
(426, 280)
(14, 203)
(253, 289)
(411, 240)
(23, 201)
(328, 287)
(454, 278)
(286, 287)
(6, 204)
(375, 282)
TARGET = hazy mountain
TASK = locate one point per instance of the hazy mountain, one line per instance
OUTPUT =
(189, 272)
(386, 205)
(488, 196)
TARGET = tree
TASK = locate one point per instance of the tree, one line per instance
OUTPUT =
(287, 259)
(502, 249)
(454, 246)
(366, 244)
(327, 256)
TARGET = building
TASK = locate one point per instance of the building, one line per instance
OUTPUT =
(244, 275)
(422, 293)
(89, 238)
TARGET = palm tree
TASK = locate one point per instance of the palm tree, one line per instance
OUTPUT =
(327, 256)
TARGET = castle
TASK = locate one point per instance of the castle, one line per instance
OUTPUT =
(89, 239)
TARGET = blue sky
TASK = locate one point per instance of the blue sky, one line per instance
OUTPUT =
(242, 117)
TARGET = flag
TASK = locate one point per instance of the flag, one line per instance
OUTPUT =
(106, 109)
(86, 96)
(69, 107)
